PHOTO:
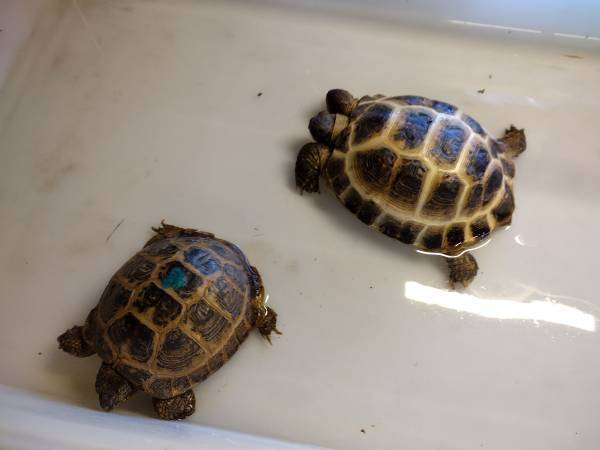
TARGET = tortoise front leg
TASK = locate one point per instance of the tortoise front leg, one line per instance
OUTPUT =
(463, 269)
(73, 342)
(309, 166)
(112, 388)
(175, 408)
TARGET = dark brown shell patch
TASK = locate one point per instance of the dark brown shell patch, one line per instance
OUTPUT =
(374, 167)
(407, 184)
(114, 298)
(371, 122)
(413, 129)
(406, 232)
(161, 388)
(132, 337)
(231, 253)
(352, 200)
(177, 351)
(138, 269)
(335, 167)
(455, 235)
(492, 185)
(204, 320)
(368, 212)
(202, 260)
(474, 198)
(433, 238)
(503, 212)
(480, 228)
(340, 184)
(442, 200)
(164, 308)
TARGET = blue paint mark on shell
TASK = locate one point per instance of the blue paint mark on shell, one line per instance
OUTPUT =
(176, 279)
(202, 260)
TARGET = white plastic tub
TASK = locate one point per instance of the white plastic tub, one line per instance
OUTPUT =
(135, 111)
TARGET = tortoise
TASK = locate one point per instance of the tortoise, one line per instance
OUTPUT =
(171, 316)
(418, 170)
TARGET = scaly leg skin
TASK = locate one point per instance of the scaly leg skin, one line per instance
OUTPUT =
(73, 342)
(309, 166)
(112, 388)
(514, 141)
(175, 408)
(463, 269)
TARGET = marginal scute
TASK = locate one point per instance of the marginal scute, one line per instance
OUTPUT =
(177, 351)
(353, 200)
(335, 167)
(340, 184)
(412, 130)
(474, 125)
(443, 107)
(492, 185)
(455, 235)
(443, 197)
(478, 161)
(114, 298)
(162, 249)
(480, 228)
(406, 232)
(374, 167)
(368, 212)
(138, 269)
(371, 122)
(508, 167)
(408, 182)
(503, 212)
(433, 238)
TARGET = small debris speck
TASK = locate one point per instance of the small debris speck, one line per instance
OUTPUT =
(362, 430)
(39, 353)
(259, 94)
(490, 76)
(481, 91)
(372, 426)
(371, 287)
(577, 433)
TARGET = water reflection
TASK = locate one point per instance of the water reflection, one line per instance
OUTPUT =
(543, 308)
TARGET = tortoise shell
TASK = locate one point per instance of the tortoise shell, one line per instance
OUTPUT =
(422, 172)
(175, 312)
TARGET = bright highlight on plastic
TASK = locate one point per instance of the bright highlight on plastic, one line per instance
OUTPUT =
(544, 310)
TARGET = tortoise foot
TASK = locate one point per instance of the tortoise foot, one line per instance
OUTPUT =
(462, 269)
(175, 408)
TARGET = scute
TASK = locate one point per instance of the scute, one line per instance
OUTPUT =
(371, 122)
(407, 183)
(442, 200)
(374, 167)
(177, 351)
(412, 131)
(114, 298)
(132, 337)
(448, 143)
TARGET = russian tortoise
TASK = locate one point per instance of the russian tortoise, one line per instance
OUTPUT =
(170, 317)
(418, 170)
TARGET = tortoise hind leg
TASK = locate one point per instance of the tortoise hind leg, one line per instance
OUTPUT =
(309, 166)
(514, 140)
(175, 408)
(463, 269)
(112, 388)
(73, 342)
